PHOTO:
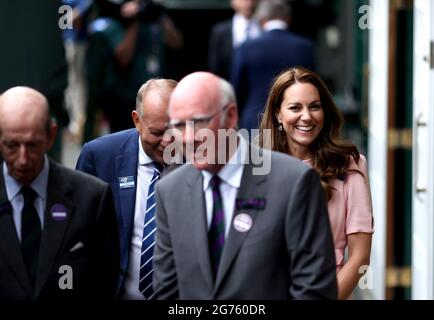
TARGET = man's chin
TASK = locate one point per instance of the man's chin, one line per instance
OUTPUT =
(203, 164)
(23, 179)
(158, 156)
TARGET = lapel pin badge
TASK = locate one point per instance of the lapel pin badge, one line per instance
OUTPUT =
(126, 182)
(58, 212)
(253, 203)
(243, 222)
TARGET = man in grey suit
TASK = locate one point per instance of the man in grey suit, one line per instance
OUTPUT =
(226, 228)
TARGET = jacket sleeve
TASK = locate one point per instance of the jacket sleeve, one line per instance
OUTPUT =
(85, 160)
(106, 247)
(309, 241)
(165, 282)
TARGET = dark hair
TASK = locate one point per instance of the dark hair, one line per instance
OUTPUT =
(331, 156)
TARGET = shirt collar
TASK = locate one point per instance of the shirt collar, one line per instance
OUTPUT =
(144, 159)
(275, 24)
(232, 172)
(240, 20)
(239, 27)
(39, 184)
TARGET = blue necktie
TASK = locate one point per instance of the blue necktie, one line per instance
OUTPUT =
(216, 234)
(148, 239)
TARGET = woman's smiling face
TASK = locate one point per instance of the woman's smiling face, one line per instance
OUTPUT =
(301, 116)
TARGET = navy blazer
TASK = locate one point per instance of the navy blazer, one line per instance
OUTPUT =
(111, 158)
(258, 61)
(220, 49)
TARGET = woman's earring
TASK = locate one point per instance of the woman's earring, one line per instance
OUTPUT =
(280, 127)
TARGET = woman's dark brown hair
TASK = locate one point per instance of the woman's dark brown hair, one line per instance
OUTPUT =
(330, 155)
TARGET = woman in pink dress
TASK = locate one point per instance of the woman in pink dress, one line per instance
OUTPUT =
(304, 122)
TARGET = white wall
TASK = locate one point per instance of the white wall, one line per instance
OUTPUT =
(377, 138)
(423, 158)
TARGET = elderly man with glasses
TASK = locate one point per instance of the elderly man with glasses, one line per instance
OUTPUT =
(224, 232)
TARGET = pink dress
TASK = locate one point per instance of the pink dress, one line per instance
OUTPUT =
(350, 208)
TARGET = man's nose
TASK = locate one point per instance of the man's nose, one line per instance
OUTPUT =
(22, 155)
(164, 142)
(188, 133)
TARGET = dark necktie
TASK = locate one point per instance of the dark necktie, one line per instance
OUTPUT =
(30, 232)
(216, 234)
(148, 239)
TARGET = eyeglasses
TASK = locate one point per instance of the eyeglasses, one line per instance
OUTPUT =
(196, 123)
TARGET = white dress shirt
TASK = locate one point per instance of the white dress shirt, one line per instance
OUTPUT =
(239, 27)
(230, 176)
(275, 25)
(145, 172)
(16, 199)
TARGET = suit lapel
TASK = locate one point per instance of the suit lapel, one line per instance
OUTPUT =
(197, 222)
(126, 166)
(252, 186)
(9, 244)
(54, 229)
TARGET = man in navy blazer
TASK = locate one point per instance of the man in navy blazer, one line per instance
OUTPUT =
(229, 34)
(126, 163)
(258, 61)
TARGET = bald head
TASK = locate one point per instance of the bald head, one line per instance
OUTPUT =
(206, 103)
(26, 132)
(25, 105)
(206, 90)
(199, 86)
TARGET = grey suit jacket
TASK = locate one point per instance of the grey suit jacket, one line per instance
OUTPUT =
(287, 254)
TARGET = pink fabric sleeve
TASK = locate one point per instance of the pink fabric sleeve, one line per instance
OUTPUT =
(359, 204)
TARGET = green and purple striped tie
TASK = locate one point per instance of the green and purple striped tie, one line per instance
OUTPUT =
(216, 235)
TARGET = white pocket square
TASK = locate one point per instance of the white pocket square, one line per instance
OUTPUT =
(77, 246)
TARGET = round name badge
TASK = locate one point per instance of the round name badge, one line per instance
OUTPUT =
(58, 212)
(243, 222)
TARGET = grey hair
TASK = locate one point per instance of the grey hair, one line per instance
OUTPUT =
(273, 9)
(227, 95)
(160, 85)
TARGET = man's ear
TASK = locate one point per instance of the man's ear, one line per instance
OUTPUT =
(52, 135)
(289, 20)
(232, 116)
(136, 119)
